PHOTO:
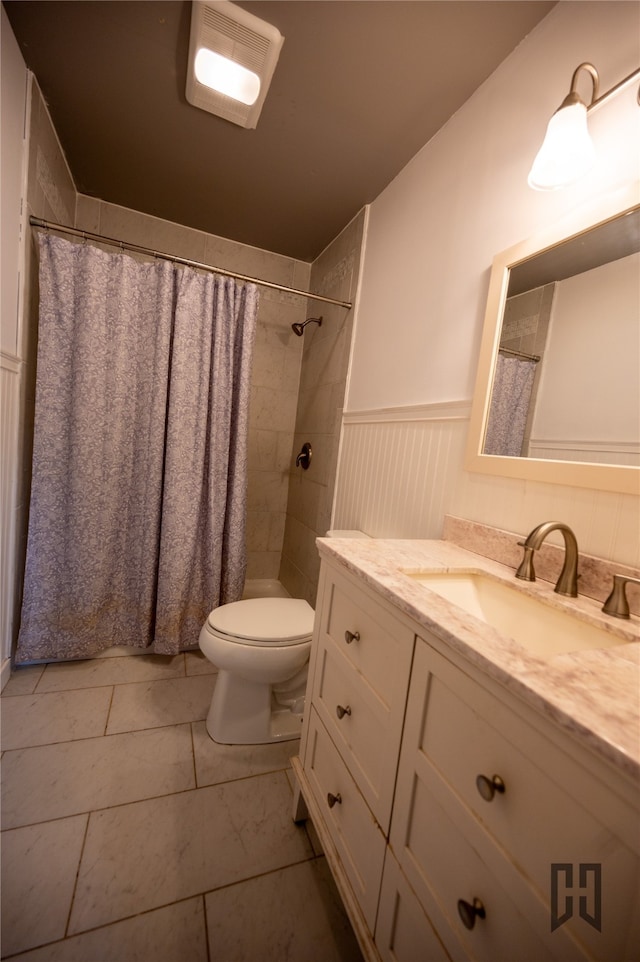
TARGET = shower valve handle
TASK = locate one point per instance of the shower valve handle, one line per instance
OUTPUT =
(304, 458)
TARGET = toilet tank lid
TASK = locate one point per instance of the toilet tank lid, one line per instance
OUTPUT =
(265, 619)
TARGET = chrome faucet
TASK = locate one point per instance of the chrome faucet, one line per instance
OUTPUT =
(567, 583)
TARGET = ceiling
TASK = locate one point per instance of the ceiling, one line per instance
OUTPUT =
(360, 86)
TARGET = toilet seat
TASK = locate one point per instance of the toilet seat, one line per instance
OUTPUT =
(263, 621)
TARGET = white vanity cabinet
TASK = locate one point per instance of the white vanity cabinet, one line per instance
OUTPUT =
(458, 838)
(443, 799)
(357, 690)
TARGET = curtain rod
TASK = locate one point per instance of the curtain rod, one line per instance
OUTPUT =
(135, 248)
(527, 357)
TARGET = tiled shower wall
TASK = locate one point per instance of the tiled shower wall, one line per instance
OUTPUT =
(323, 377)
(525, 328)
(50, 195)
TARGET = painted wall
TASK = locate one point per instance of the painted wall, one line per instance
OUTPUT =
(13, 93)
(431, 239)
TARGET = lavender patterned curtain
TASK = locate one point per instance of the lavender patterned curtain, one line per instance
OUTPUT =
(512, 386)
(137, 515)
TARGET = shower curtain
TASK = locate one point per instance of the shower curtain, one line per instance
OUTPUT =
(509, 408)
(137, 514)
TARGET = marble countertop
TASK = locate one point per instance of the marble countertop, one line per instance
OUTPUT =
(592, 694)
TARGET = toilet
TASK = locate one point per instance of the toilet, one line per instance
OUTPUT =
(261, 648)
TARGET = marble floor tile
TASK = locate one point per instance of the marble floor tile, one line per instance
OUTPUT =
(141, 856)
(292, 915)
(23, 681)
(156, 703)
(222, 763)
(197, 664)
(55, 717)
(39, 865)
(53, 781)
(175, 933)
(109, 671)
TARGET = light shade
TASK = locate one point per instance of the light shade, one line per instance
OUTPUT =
(232, 57)
(567, 152)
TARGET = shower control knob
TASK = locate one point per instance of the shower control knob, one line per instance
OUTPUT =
(489, 786)
(304, 458)
(341, 712)
(469, 912)
(350, 636)
(333, 799)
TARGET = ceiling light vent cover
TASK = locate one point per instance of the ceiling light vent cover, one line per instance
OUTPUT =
(232, 32)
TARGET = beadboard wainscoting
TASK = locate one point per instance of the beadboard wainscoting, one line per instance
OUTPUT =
(10, 368)
(387, 455)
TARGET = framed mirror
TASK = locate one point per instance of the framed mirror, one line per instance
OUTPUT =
(557, 395)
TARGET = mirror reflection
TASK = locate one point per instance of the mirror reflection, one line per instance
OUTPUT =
(566, 379)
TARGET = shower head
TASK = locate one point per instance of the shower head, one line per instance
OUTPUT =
(299, 328)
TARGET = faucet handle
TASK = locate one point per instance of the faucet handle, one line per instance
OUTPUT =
(526, 571)
(617, 603)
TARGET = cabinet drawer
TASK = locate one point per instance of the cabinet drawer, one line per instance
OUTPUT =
(455, 731)
(403, 931)
(444, 868)
(382, 646)
(355, 833)
(365, 730)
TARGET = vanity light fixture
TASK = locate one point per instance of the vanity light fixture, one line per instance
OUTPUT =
(232, 57)
(567, 151)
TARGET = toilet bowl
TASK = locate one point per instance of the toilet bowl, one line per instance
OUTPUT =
(261, 648)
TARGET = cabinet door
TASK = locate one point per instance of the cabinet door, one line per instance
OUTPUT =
(354, 831)
(360, 683)
(403, 931)
(448, 856)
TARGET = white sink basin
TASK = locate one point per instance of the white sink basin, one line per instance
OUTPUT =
(540, 628)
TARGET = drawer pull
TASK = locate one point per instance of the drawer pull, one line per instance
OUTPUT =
(350, 636)
(489, 786)
(341, 712)
(332, 799)
(470, 912)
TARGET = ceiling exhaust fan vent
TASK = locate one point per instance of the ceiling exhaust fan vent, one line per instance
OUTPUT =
(220, 29)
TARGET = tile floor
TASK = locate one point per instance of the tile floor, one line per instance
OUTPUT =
(128, 835)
